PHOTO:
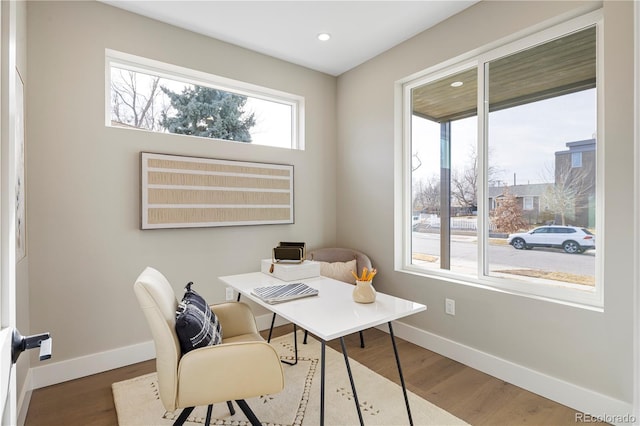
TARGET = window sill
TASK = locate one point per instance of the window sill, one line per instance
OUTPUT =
(563, 296)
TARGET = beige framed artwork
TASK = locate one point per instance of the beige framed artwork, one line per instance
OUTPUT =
(190, 192)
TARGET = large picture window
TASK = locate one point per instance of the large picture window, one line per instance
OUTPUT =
(501, 167)
(154, 96)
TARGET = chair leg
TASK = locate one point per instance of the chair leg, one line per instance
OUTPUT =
(187, 411)
(183, 416)
(248, 412)
(207, 420)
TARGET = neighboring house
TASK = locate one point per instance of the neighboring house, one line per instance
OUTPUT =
(529, 198)
(573, 191)
(575, 175)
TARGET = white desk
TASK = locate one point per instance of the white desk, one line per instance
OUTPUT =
(331, 315)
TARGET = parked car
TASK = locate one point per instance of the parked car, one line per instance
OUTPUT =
(571, 239)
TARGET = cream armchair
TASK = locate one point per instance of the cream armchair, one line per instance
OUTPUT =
(242, 366)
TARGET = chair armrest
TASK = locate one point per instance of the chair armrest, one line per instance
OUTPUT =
(235, 319)
(228, 372)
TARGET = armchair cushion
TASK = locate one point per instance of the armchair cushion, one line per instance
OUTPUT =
(227, 372)
(340, 271)
(196, 324)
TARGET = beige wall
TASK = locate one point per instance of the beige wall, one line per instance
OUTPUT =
(590, 349)
(85, 246)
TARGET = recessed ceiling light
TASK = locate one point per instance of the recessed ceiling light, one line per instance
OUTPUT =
(324, 36)
(457, 84)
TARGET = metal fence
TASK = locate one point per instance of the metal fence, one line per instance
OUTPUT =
(457, 223)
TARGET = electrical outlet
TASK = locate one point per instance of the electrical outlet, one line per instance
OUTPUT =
(229, 293)
(449, 306)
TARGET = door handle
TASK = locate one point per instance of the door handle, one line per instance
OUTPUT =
(22, 343)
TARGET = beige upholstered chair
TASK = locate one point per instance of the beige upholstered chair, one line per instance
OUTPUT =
(242, 366)
(337, 254)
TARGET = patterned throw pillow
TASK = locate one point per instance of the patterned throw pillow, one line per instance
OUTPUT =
(196, 324)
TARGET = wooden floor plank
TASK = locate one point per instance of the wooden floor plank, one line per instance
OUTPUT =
(471, 395)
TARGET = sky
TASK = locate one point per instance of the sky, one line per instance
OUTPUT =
(522, 140)
(273, 123)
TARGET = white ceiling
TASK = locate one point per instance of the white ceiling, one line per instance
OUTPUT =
(288, 30)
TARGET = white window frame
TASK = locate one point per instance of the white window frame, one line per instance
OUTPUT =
(177, 73)
(564, 294)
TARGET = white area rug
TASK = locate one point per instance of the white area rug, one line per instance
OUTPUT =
(381, 401)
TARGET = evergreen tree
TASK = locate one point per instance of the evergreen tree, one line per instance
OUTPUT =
(210, 113)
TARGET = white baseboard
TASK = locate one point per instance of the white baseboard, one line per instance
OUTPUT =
(571, 395)
(563, 392)
(58, 372)
(24, 399)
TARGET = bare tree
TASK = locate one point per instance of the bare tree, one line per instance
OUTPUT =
(427, 195)
(571, 191)
(137, 100)
(464, 184)
(418, 163)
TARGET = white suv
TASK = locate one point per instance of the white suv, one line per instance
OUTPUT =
(570, 238)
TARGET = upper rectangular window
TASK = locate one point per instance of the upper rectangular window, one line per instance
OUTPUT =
(498, 148)
(159, 97)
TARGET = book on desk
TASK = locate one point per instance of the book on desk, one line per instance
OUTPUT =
(284, 292)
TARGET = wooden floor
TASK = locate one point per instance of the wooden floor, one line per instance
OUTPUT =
(475, 397)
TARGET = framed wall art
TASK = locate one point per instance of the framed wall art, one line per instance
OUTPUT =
(190, 192)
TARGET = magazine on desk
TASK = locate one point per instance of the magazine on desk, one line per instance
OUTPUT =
(284, 292)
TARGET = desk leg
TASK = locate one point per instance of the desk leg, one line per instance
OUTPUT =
(353, 385)
(295, 345)
(322, 351)
(404, 387)
(273, 320)
(295, 339)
